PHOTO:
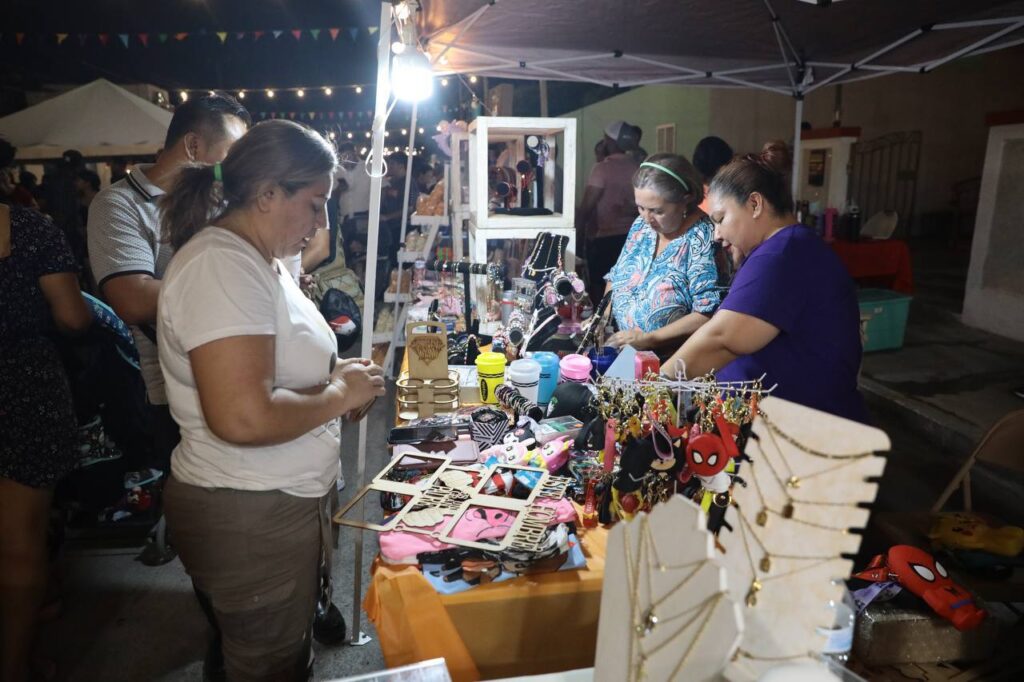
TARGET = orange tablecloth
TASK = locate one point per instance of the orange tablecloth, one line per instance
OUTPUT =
(882, 263)
(530, 625)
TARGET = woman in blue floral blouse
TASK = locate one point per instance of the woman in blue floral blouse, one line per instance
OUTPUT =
(668, 279)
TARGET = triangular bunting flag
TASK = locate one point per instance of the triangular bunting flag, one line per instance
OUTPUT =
(82, 37)
(20, 37)
(291, 115)
(180, 36)
(104, 39)
(297, 33)
(334, 33)
(354, 32)
(123, 37)
(312, 115)
(144, 39)
(330, 115)
(277, 34)
(373, 30)
(257, 34)
(61, 37)
(223, 35)
(162, 37)
(239, 35)
(315, 32)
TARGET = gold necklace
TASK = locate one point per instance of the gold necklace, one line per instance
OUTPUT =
(756, 583)
(640, 629)
(810, 451)
(787, 511)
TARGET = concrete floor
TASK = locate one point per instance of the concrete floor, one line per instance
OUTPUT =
(127, 622)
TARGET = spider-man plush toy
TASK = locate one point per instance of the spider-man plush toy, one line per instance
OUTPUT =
(919, 572)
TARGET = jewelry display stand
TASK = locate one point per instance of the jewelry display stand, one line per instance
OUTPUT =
(666, 609)
(805, 490)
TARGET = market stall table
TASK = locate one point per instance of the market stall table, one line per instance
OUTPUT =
(529, 625)
(883, 262)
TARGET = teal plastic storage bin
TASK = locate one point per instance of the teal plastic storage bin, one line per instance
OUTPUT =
(883, 318)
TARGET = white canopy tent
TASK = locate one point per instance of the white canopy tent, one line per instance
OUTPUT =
(790, 47)
(98, 119)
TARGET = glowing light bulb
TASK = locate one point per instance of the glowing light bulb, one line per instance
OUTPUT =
(241, 94)
(359, 89)
(444, 82)
(328, 92)
(472, 79)
(349, 136)
(300, 92)
(270, 94)
(184, 96)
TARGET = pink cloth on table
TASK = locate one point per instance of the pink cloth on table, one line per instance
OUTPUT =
(401, 547)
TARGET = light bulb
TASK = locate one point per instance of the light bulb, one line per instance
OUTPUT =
(241, 94)
(405, 131)
(411, 77)
(212, 93)
(270, 94)
(363, 150)
(349, 136)
(359, 89)
(367, 134)
(444, 82)
(328, 92)
(472, 79)
(300, 92)
(184, 96)
(420, 131)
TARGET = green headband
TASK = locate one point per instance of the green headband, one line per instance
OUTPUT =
(651, 164)
(218, 174)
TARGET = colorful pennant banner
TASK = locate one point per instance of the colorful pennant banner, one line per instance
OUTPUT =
(126, 39)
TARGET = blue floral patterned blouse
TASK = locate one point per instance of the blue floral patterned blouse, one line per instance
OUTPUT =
(649, 292)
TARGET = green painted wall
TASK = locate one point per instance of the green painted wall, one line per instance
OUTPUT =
(648, 107)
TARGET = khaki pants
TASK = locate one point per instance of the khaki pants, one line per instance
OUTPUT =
(257, 556)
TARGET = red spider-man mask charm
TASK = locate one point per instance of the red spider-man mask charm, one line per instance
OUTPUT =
(919, 572)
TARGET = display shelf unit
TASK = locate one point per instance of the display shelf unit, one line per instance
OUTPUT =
(524, 139)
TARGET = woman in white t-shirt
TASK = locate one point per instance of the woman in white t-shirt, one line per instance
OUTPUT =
(254, 382)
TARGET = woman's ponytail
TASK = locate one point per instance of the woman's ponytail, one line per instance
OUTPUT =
(191, 204)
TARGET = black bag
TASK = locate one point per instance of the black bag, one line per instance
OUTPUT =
(342, 313)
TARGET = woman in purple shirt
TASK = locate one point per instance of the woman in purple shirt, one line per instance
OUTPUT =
(792, 312)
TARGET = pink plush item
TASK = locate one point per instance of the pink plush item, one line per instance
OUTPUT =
(481, 523)
(400, 547)
(551, 456)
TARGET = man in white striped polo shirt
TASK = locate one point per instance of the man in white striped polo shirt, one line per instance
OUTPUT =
(128, 259)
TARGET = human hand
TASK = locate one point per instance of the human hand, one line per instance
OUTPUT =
(630, 337)
(361, 383)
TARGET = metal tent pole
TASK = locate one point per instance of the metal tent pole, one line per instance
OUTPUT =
(373, 228)
(389, 357)
(797, 130)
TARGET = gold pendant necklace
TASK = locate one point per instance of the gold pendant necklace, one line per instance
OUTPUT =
(765, 565)
(645, 623)
(788, 510)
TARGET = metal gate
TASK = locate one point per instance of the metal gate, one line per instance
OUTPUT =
(883, 176)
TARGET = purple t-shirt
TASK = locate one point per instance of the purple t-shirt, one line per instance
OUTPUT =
(795, 282)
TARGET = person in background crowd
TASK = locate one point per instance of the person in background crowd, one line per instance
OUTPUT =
(30, 183)
(87, 186)
(710, 154)
(665, 284)
(118, 169)
(638, 153)
(129, 255)
(608, 208)
(39, 294)
(353, 200)
(11, 193)
(791, 314)
(253, 378)
(600, 152)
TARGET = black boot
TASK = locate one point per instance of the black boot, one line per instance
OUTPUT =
(329, 625)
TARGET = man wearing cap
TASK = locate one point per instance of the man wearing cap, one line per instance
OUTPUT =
(608, 208)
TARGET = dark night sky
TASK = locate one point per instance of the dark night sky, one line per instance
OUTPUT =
(202, 62)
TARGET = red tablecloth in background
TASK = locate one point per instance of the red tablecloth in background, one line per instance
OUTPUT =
(882, 263)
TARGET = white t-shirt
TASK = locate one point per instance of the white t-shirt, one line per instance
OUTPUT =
(356, 198)
(218, 285)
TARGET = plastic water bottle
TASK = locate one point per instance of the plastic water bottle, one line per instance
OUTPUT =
(840, 635)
